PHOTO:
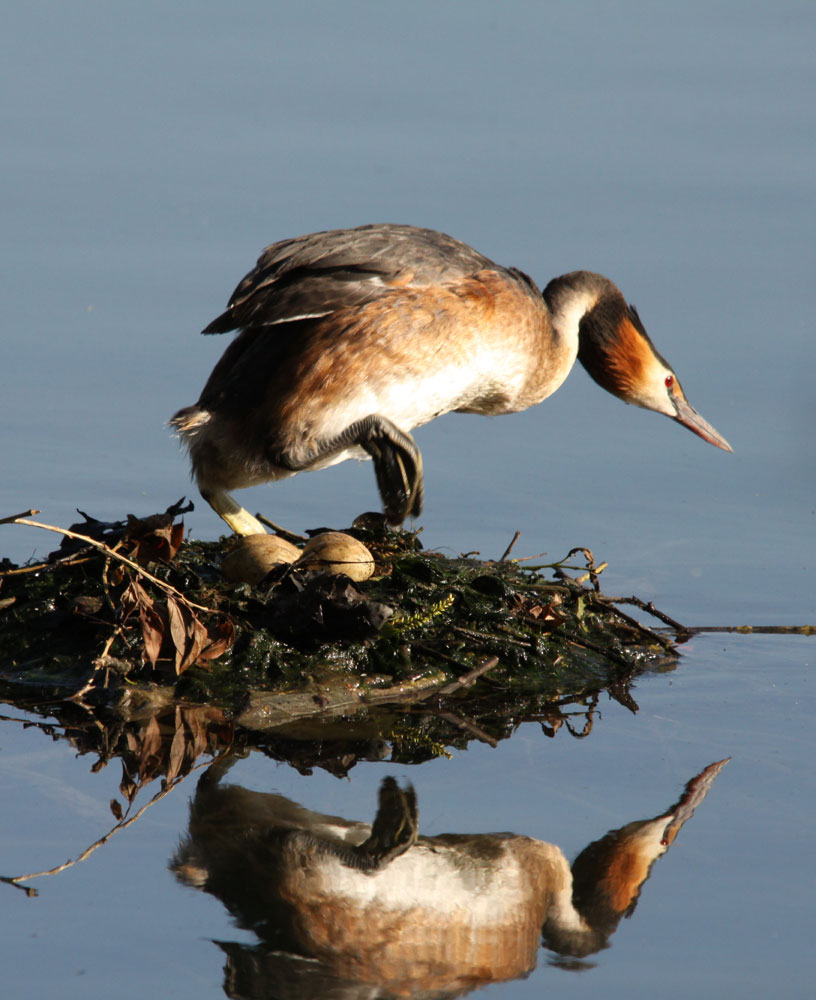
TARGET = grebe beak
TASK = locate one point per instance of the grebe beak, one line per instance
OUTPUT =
(693, 794)
(689, 417)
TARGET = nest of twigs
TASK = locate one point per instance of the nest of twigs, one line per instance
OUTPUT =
(131, 606)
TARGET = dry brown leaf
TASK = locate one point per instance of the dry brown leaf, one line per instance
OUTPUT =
(176, 537)
(150, 749)
(197, 725)
(201, 722)
(127, 786)
(196, 639)
(136, 599)
(152, 632)
(178, 631)
(177, 748)
(154, 539)
(225, 630)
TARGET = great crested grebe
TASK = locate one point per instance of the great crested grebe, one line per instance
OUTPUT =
(379, 904)
(350, 338)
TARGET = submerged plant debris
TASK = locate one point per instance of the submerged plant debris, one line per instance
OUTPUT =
(128, 620)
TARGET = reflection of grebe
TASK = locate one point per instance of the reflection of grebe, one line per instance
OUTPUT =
(379, 904)
(350, 338)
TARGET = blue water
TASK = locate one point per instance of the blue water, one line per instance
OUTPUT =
(150, 151)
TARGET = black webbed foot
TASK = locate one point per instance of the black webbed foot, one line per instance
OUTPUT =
(395, 827)
(398, 468)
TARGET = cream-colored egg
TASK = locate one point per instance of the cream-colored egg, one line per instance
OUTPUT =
(255, 555)
(336, 552)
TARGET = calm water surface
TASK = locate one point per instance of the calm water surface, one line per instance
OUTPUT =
(150, 152)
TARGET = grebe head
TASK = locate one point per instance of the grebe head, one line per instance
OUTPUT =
(617, 352)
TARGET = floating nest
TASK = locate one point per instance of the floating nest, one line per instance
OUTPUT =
(130, 621)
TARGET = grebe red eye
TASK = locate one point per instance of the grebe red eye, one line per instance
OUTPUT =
(669, 381)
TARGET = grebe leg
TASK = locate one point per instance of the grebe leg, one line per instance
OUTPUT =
(237, 517)
(397, 463)
(393, 832)
(395, 827)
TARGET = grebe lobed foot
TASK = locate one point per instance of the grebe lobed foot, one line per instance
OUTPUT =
(395, 826)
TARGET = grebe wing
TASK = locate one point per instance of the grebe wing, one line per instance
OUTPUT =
(314, 275)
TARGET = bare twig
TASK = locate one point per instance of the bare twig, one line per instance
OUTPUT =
(466, 725)
(608, 604)
(289, 536)
(509, 548)
(27, 889)
(754, 629)
(37, 567)
(14, 518)
(467, 679)
(653, 611)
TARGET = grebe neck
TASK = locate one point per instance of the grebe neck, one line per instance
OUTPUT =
(570, 298)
